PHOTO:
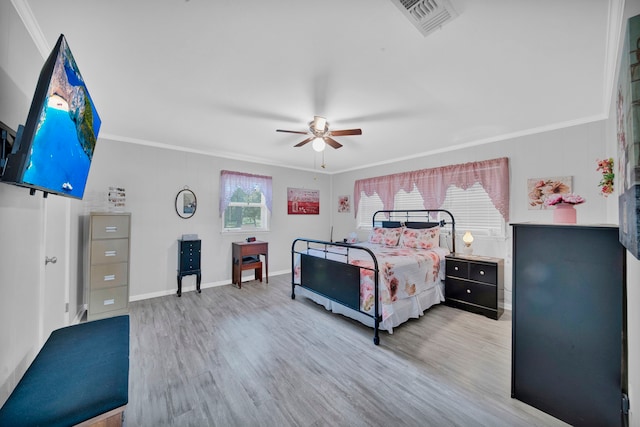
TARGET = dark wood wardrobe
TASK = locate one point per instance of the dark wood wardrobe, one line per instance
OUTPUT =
(569, 355)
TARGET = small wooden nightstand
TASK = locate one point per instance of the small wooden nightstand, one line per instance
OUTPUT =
(240, 250)
(475, 283)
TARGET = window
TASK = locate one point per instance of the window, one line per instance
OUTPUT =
(476, 193)
(412, 200)
(368, 206)
(472, 209)
(245, 201)
(246, 211)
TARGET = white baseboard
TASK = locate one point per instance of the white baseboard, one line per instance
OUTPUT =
(190, 288)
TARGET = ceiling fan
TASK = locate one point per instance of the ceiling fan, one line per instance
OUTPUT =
(321, 135)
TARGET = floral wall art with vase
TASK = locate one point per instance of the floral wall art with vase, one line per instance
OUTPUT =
(564, 212)
(539, 189)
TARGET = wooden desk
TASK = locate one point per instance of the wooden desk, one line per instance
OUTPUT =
(243, 249)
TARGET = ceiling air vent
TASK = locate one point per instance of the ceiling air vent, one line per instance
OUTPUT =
(426, 15)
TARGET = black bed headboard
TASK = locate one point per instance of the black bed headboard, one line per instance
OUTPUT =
(417, 218)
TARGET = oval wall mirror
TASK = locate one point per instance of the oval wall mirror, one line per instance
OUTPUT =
(186, 203)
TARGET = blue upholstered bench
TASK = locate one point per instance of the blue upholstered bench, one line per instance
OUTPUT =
(80, 376)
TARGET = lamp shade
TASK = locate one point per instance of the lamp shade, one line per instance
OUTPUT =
(318, 144)
(467, 238)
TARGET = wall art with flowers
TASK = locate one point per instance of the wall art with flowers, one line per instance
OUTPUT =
(606, 183)
(540, 189)
(343, 204)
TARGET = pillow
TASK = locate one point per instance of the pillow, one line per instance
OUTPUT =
(409, 238)
(392, 236)
(421, 224)
(377, 235)
(428, 238)
(385, 236)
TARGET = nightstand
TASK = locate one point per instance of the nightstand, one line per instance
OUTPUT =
(475, 284)
(246, 256)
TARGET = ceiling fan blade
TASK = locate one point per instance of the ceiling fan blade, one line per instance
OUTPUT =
(301, 143)
(332, 142)
(292, 131)
(346, 132)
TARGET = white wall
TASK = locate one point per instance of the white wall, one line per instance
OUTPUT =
(20, 215)
(153, 176)
(570, 151)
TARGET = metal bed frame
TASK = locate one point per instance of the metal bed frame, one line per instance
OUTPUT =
(339, 281)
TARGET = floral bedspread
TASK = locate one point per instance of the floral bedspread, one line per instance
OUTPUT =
(404, 272)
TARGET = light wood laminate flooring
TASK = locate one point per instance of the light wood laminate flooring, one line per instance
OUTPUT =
(255, 357)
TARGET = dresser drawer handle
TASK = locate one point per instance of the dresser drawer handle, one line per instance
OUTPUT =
(110, 229)
(482, 272)
(456, 268)
(468, 291)
(109, 277)
(110, 253)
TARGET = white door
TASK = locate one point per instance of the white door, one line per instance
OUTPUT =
(55, 264)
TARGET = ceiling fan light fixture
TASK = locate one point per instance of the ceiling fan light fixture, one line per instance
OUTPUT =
(318, 144)
(320, 135)
(319, 124)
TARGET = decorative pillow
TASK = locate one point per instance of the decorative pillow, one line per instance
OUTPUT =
(409, 238)
(385, 236)
(429, 238)
(421, 239)
(377, 235)
(392, 236)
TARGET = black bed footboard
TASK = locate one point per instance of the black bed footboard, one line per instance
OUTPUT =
(335, 279)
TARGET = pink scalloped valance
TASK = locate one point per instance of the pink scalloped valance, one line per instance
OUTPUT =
(230, 181)
(432, 184)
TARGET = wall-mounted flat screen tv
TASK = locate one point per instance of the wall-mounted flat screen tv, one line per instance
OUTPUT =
(53, 150)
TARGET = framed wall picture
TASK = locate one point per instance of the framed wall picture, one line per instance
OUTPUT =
(538, 189)
(301, 201)
(628, 135)
(344, 204)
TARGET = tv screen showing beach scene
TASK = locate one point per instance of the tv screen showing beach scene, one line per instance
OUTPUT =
(62, 141)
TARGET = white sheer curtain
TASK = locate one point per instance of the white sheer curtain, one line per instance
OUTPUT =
(230, 181)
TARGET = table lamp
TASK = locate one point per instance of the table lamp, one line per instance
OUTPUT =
(468, 240)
